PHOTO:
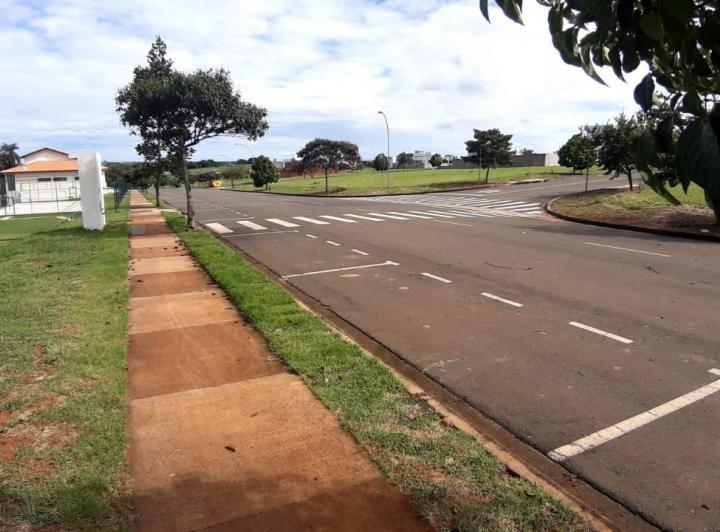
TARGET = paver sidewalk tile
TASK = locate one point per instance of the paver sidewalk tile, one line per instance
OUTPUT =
(177, 263)
(158, 284)
(152, 241)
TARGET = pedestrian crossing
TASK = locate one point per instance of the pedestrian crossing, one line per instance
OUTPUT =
(259, 225)
(480, 202)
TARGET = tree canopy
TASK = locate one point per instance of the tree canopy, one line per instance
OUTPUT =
(489, 148)
(679, 42)
(179, 110)
(9, 156)
(380, 162)
(436, 160)
(404, 159)
(263, 172)
(616, 144)
(330, 155)
(578, 152)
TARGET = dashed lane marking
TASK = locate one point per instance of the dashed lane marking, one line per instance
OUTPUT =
(502, 300)
(601, 332)
(262, 233)
(283, 223)
(386, 263)
(310, 236)
(332, 243)
(436, 277)
(628, 249)
(311, 220)
(252, 225)
(619, 429)
(360, 252)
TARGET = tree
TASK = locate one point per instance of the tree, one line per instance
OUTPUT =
(679, 42)
(578, 153)
(617, 146)
(263, 172)
(9, 156)
(380, 162)
(404, 159)
(526, 151)
(329, 155)
(489, 148)
(180, 110)
(436, 160)
(235, 172)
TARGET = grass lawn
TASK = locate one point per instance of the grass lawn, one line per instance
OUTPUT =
(644, 197)
(22, 226)
(455, 482)
(369, 181)
(63, 302)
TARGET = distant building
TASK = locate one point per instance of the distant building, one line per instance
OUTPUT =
(420, 159)
(530, 159)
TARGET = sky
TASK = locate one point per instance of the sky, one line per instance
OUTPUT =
(322, 68)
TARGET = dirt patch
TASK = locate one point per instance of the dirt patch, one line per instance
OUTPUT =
(4, 417)
(41, 437)
(676, 218)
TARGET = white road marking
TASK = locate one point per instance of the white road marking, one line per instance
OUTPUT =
(453, 223)
(263, 233)
(360, 252)
(502, 299)
(386, 263)
(332, 243)
(338, 219)
(361, 217)
(433, 214)
(310, 236)
(282, 222)
(391, 216)
(601, 332)
(310, 220)
(252, 225)
(411, 215)
(614, 431)
(442, 279)
(448, 213)
(627, 249)
(219, 228)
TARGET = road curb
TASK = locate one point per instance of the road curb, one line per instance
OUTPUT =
(548, 208)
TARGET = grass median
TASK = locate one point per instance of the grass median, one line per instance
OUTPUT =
(371, 182)
(455, 482)
(63, 303)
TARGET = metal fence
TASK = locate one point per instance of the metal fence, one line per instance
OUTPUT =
(41, 197)
(120, 188)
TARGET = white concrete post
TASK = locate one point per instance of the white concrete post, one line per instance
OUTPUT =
(91, 191)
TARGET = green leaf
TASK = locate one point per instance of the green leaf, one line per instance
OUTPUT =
(484, 9)
(681, 10)
(512, 9)
(588, 66)
(692, 104)
(698, 157)
(663, 135)
(647, 158)
(644, 93)
(615, 61)
(651, 24)
(714, 119)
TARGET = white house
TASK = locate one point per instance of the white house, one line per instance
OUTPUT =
(47, 180)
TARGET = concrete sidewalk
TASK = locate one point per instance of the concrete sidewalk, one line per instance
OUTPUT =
(221, 436)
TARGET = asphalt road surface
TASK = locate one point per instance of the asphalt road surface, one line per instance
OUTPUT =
(598, 347)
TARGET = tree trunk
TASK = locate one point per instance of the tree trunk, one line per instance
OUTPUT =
(327, 189)
(157, 191)
(630, 179)
(587, 177)
(188, 194)
(487, 174)
(713, 202)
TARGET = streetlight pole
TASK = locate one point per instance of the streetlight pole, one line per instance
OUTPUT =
(388, 149)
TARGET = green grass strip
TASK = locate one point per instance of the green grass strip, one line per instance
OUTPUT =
(456, 483)
(63, 303)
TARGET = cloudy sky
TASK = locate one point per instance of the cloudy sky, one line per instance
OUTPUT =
(322, 68)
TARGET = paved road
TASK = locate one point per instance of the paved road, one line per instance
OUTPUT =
(596, 346)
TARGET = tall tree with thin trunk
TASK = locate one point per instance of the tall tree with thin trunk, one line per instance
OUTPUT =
(329, 155)
(179, 110)
(489, 148)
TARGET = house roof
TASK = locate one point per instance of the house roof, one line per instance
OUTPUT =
(46, 148)
(61, 165)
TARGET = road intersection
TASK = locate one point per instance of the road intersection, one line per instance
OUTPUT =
(595, 346)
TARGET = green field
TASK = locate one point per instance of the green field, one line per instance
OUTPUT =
(63, 302)
(644, 198)
(369, 181)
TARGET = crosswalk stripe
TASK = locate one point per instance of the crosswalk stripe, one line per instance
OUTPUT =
(282, 222)
(361, 217)
(219, 228)
(451, 213)
(411, 215)
(480, 214)
(434, 214)
(514, 205)
(252, 225)
(338, 219)
(391, 216)
(311, 220)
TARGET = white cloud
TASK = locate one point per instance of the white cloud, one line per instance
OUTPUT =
(321, 67)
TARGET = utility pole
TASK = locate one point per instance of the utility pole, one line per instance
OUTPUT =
(388, 149)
